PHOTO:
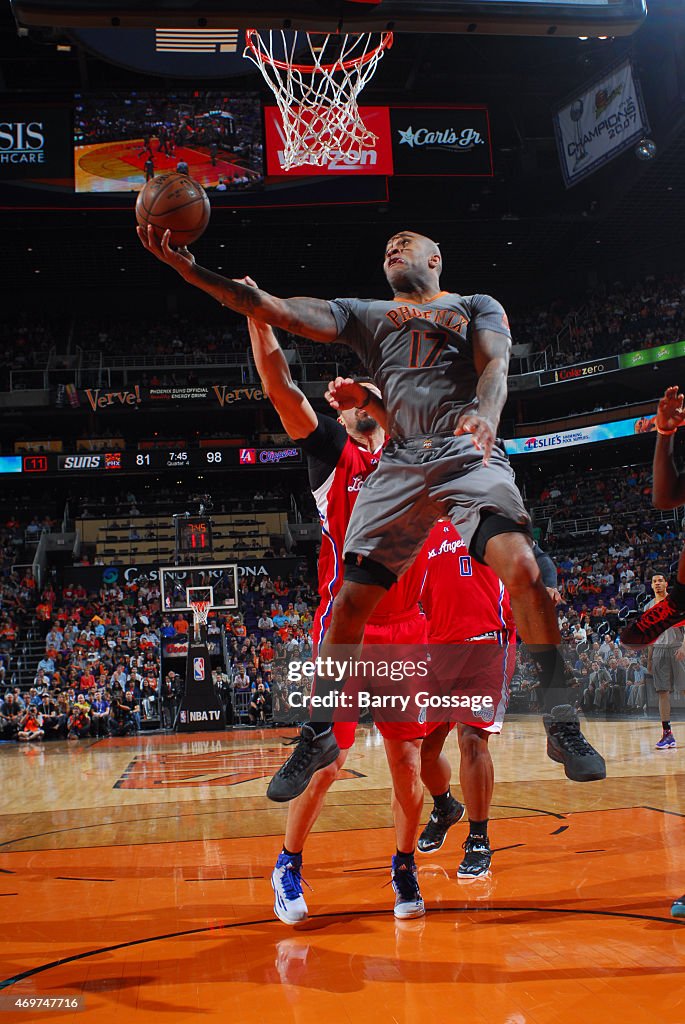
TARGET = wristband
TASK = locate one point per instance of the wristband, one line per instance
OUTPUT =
(369, 396)
(666, 433)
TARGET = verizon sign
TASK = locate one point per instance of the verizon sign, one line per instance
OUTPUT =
(374, 159)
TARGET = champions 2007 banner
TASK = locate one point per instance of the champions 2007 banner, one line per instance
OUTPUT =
(593, 128)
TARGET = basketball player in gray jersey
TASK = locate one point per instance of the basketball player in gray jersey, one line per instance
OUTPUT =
(441, 361)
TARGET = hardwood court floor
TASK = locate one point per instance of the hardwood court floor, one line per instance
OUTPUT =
(134, 874)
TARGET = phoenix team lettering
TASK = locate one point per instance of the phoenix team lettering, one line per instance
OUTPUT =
(444, 317)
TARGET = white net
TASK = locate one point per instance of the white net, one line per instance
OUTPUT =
(200, 610)
(317, 99)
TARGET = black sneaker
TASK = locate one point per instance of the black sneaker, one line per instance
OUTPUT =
(567, 745)
(311, 753)
(477, 857)
(646, 628)
(433, 835)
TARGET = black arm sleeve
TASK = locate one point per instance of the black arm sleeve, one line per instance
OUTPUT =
(548, 569)
(323, 448)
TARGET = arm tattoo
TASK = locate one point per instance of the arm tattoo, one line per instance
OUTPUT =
(491, 390)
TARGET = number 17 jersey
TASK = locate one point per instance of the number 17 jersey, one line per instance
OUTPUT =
(420, 354)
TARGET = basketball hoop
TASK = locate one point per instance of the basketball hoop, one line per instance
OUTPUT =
(200, 601)
(318, 100)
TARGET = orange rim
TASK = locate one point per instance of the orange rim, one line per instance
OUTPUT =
(253, 40)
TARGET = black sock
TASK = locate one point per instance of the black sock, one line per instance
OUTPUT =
(666, 726)
(442, 802)
(289, 853)
(677, 594)
(319, 728)
(405, 858)
(478, 829)
(553, 675)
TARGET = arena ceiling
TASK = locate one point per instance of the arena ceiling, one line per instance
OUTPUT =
(521, 231)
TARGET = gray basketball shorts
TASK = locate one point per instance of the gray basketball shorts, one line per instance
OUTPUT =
(420, 480)
(668, 672)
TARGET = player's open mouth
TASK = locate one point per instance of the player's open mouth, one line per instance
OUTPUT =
(394, 260)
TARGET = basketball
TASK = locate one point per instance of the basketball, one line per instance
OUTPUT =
(176, 203)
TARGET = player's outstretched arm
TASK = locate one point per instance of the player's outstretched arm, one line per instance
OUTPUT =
(292, 405)
(491, 358)
(310, 318)
(669, 484)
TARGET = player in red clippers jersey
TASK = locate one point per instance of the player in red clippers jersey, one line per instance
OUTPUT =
(340, 456)
(472, 643)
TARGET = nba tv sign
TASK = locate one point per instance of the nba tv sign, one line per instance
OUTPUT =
(451, 141)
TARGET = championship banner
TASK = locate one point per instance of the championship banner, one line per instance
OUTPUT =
(581, 435)
(593, 128)
(451, 141)
(376, 159)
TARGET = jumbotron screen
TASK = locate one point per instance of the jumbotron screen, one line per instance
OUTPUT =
(123, 139)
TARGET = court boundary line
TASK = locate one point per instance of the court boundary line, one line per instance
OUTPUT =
(268, 835)
(42, 968)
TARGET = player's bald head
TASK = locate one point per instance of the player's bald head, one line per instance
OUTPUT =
(412, 262)
(423, 240)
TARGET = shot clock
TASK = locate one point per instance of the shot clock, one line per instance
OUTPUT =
(193, 535)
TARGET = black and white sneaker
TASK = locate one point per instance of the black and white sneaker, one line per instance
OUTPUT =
(311, 753)
(405, 882)
(433, 835)
(477, 857)
(567, 745)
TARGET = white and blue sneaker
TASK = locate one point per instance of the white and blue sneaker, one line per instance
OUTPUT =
(678, 908)
(286, 881)
(408, 900)
(667, 741)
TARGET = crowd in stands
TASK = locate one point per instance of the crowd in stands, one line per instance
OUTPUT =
(615, 318)
(100, 671)
(25, 342)
(100, 668)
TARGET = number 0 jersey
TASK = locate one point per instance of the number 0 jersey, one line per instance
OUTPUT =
(420, 354)
(462, 598)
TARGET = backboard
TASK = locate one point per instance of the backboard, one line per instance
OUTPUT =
(501, 17)
(174, 581)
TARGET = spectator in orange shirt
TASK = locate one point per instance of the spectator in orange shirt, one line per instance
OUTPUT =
(87, 681)
(31, 726)
(181, 625)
